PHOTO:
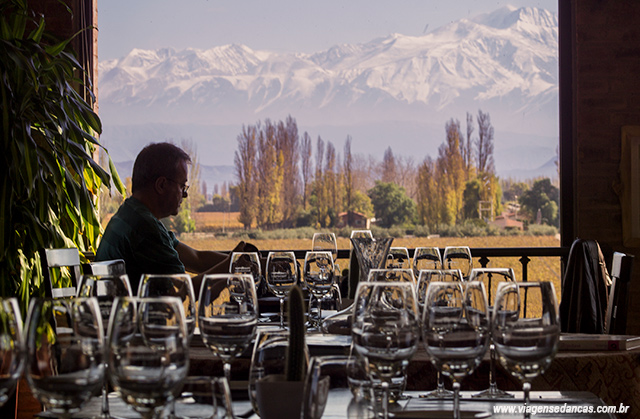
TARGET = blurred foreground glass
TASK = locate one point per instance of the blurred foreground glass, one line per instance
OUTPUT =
(148, 352)
(227, 315)
(204, 397)
(282, 275)
(456, 330)
(105, 288)
(11, 347)
(426, 258)
(398, 258)
(325, 373)
(64, 340)
(526, 337)
(172, 285)
(385, 330)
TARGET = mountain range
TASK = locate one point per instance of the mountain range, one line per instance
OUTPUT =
(396, 91)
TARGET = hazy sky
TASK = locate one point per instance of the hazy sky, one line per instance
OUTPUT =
(280, 25)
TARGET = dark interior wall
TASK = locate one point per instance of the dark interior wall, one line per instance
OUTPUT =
(606, 97)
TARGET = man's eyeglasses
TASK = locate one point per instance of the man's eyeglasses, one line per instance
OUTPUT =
(183, 186)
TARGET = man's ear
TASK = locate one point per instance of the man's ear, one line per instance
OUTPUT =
(160, 185)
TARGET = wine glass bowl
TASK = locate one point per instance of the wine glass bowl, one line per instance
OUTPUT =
(456, 330)
(318, 275)
(458, 257)
(11, 347)
(64, 342)
(398, 258)
(385, 330)
(426, 258)
(172, 285)
(526, 335)
(227, 315)
(282, 275)
(148, 352)
(247, 263)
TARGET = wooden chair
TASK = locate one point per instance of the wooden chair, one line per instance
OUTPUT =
(55, 264)
(616, 317)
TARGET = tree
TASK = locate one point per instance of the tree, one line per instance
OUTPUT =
(542, 196)
(484, 151)
(305, 157)
(391, 204)
(247, 175)
(472, 198)
(270, 177)
(451, 174)
(287, 144)
(388, 167)
(427, 194)
(466, 147)
(348, 175)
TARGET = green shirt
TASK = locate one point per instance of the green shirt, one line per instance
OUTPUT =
(137, 236)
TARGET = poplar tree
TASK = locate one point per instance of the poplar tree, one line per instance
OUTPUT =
(246, 174)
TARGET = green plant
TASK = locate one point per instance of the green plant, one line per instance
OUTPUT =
(49, 181)
(295, 368)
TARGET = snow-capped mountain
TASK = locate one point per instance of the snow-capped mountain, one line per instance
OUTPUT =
(505, 63)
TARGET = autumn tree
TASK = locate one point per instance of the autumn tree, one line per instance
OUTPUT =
(347, 166)
(451, 173)
(427, 194)
(270, 177)
(247, 175)
(287, 144)
(307, 170)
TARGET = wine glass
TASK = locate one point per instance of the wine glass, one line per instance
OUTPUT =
(526, 335)
(65, 347)
(426, 258)
(148, 352)
(318, 275)
(491, 278)
(398, 258)
(456, 330)
(11, 347)
(327, 242)
(325, 373)
(424, 279)
(392, 274)
(282, 274)
(458, 257)
(204, 397)
(105, 288)
(385, 330)
(227, 315)
(172, 285)
(247, 263)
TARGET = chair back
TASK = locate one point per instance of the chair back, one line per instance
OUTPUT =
(616, 318)
(57, 263)
(108, 267)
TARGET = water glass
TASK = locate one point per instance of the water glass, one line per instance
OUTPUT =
(11, 347)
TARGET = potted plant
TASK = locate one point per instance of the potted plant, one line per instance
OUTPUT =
(280, 396)
(49, 180)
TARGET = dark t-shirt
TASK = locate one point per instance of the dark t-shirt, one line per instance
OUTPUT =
(135, 235)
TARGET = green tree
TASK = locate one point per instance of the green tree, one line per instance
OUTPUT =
(542, 196)
(472, 198)
(391, 204)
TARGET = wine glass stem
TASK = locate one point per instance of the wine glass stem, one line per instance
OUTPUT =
(440, 387)
(105, 402)
(227, 371)
(456, 400)
(282, 312)
(526, 388)
(385, 400)
(492, 366)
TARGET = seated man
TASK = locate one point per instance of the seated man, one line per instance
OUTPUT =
(135, 233)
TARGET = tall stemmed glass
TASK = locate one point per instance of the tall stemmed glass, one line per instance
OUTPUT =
(491, 278)
(227, 315)
(385, 330)
(318, 274)
(247, 263)
(426, 258)
(148, 354)
(64, 342)
(456, 330)
(458, 257)
(105, 288)
(526, 335)
(424, 279)
(327, 242)
(11, 347)
(172, 285)
(282, 274)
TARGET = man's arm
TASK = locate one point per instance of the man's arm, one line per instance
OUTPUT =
(204, 262)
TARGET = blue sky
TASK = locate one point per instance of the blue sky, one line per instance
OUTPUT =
(278, 25)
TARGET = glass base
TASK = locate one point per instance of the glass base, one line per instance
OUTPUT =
(493, 392)
(439, 393)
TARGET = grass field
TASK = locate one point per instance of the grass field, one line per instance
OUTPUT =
(539, 269)
(210, 221)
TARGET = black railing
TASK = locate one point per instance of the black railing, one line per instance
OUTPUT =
(484, 255)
